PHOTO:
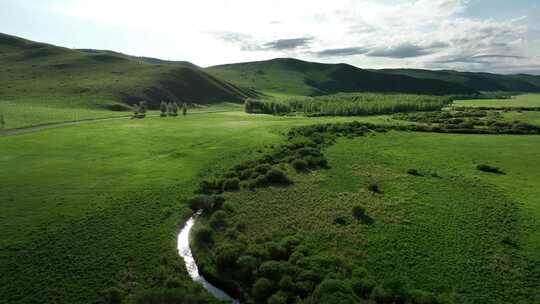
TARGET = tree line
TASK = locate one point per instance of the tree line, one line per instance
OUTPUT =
(166, 109)
(348, 104)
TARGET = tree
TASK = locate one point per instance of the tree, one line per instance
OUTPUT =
(218, 219)
(358, 212)
(184, 109)
(374, 188)
(164, 109)
(135, 110)
(173, 109)
(262, 289)
(143, 107)
(2, 121)
(204, 235)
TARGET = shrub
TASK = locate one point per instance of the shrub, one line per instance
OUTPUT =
(413, 172)
(286, 283)
(262, 289)
(278, 298)
(201, 202)
(217, 202)
(277, 177)
(231, 184)
(489, 169)
(263, 169)
(391, 291)
(275, 270)
(358, 212)
(113, 295)
(300, 165)
(204, 236)
(246, 174)
(340, 220)
(374, 188)
(210, 186)
(276, 251)
(218, 219)
(362, 286)
(227, 257)
(422, 297)
(247, 266)
(163, 109)
(334, 291)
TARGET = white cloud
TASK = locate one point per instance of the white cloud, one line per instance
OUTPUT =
(367, 33)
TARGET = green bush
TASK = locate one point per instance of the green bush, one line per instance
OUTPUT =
(277, 177)
(113, 295)
(247, 266)
(391, 291)
(231, 184)
(413, 172)
(262, 289)
(300, 165)
(218, 219)
(201, 202)
(489, 169)
(278, 298)
(358, 212)
(374, 188)
(204, 236)
(227, 257)
(332, 291)
(210, 186)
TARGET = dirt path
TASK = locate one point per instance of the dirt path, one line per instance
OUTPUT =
(36, 128)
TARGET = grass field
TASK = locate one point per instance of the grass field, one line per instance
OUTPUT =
(82, 205)
(527, 100)
(18, 114)
(532, 117)
(453, 229)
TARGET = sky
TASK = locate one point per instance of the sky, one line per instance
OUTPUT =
(498, 36)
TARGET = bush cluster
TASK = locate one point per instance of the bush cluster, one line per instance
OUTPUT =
(286, 271)
(465, 122)
(489, 169)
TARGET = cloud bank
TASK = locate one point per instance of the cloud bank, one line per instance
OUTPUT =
(438, 34)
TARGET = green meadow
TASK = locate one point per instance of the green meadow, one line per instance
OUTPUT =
(82, 206)
(334, 208)
(448, 228)
(525, 100)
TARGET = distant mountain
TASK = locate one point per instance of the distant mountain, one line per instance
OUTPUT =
(32, 70)
(475, 81)
(292, 76)
(150, 60)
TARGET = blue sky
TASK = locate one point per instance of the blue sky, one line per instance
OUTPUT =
(476, 35)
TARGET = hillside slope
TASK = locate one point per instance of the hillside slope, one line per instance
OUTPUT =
(37, 71)
(291, 76)
(476, 81)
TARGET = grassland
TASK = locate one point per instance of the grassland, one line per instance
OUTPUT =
(43, 83)
(531, 117)
(19, 114)
(526, 100)
(449, 229)
(84, 207)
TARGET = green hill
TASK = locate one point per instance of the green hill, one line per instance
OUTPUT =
(476, 81)
(296, 77)
(41, 73)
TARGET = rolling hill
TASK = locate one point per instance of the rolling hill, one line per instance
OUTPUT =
(476, 81)
(35, 72)
(296, 77)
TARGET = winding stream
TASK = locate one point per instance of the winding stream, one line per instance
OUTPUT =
(185, 252)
